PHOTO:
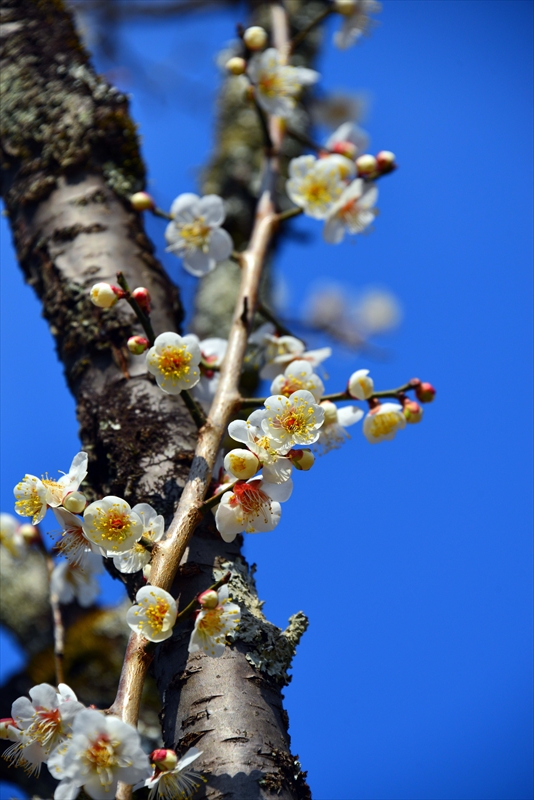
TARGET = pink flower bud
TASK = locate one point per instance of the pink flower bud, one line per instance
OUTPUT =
(345, 149)
(385, 160)
(142, 201)
(142, 296)
(302, 459)
(425, 392)
(412, 411)
(208, 599)
(255, 37)
(236, 65)
(6, 724)
(164, 760)
(104, 295)
(366, 164)
(137, 345)
(75, 502)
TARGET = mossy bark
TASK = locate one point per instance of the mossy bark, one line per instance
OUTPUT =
(70, 158)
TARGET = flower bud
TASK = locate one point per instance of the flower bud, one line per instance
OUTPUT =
(425, 392)
(236, 65)
(147, 569)
(330, 412)
(255, 37)
(208, 599)
(104, 295)
(366, 164)
(142, 296)
(412, 412)
(346, 149)
(302, 459)
(7, 728)
(360, 386)
(345, 7)
(164, 760)
(385, 160)
(29, 533)
(241, 464)
(137, 345)
(75, 502)
(142, 201)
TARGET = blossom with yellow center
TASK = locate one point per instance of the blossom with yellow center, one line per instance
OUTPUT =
(153, 529)
(111, 524)
(172, 782)
(34, 495)
(276, 466)
(174, 361)
(195, 233)
(103, 750)
(154, 615)
(298, 375)
(278, 84)
(252, 507)
(383, 422)
(352, 212)
(316, 184)
(333, 434)
(212, 625)
(360, 385)
(293, 420)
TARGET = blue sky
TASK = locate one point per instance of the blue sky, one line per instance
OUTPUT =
(413, 559)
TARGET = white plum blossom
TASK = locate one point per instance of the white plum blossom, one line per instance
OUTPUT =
(195, 233)
(70, 582)
(276, 466)
(177, 783)
(333, 434)
(74, 544)
(33, 496)
(213, 351)
(45, 721)
(356, 22)
(360, 385)
(153, 529)
(353, 211)
(383, 422)
(293, 420)
(242, 464)
(298, 375)
(213, 623)
(111, 524)
(315, 184)
(10, 536)
(277, 84)
(253, 507)
(154, 615)
(348, 132)
(174, 360)
(279, 351)
(102, 751)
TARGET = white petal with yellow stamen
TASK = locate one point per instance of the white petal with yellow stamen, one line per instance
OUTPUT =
(353, 211)
(154, 615)
(111, 524)
(316, 184)
(276, 466)
(153, 529)
(298, 375)
(277, 84)
(294, 420)
(174, 361)
(214, 624)
(383, 422)
(195, 233)
(31, 498)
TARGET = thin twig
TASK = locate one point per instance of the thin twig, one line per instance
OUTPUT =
(136, 308)
(305, 31)
(57, 619)
(268, 314)
(190, 607)
(194, 408)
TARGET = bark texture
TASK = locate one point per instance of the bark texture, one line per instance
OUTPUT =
(70, 158)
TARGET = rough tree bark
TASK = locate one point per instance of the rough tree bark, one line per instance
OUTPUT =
(70, 158)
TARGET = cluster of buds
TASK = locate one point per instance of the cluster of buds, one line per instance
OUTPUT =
(106, 295)
(372, 167)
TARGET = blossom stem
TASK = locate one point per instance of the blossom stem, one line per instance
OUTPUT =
(159, 212)
(256, 402)
(268, 142)
(136, 308)
(268, 314)
(306, 140)
(290, 212)
(305, 31)
(188, 610)
(194, 409)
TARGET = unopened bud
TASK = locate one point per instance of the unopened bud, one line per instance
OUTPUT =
(412, 412)
(142, 201)
(75, 502)
(236, 65)
(366, 164)
(345, 7)
(330, 412)
(385, 160)
(241, 464)
(302, 459)
(360, 385)
(346, 149)
(8, 729)
(104, 295)
(147, 569)
(255, 37)
(425, 392)
(208, 599)
(137, 345)
(29, 533)
(142, 296)
(165, 760)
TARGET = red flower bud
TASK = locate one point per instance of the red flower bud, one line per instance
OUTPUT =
(137, 345)
(412, 411)
(142, 296)
(425, 392)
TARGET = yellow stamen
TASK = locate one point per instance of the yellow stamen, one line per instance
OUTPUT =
(382, 424)
(196, 235)
(114, 525)
(173, 362)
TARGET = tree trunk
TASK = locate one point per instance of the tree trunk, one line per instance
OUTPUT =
(70, 159)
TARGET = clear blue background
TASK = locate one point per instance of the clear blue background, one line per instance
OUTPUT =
(413, 559)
